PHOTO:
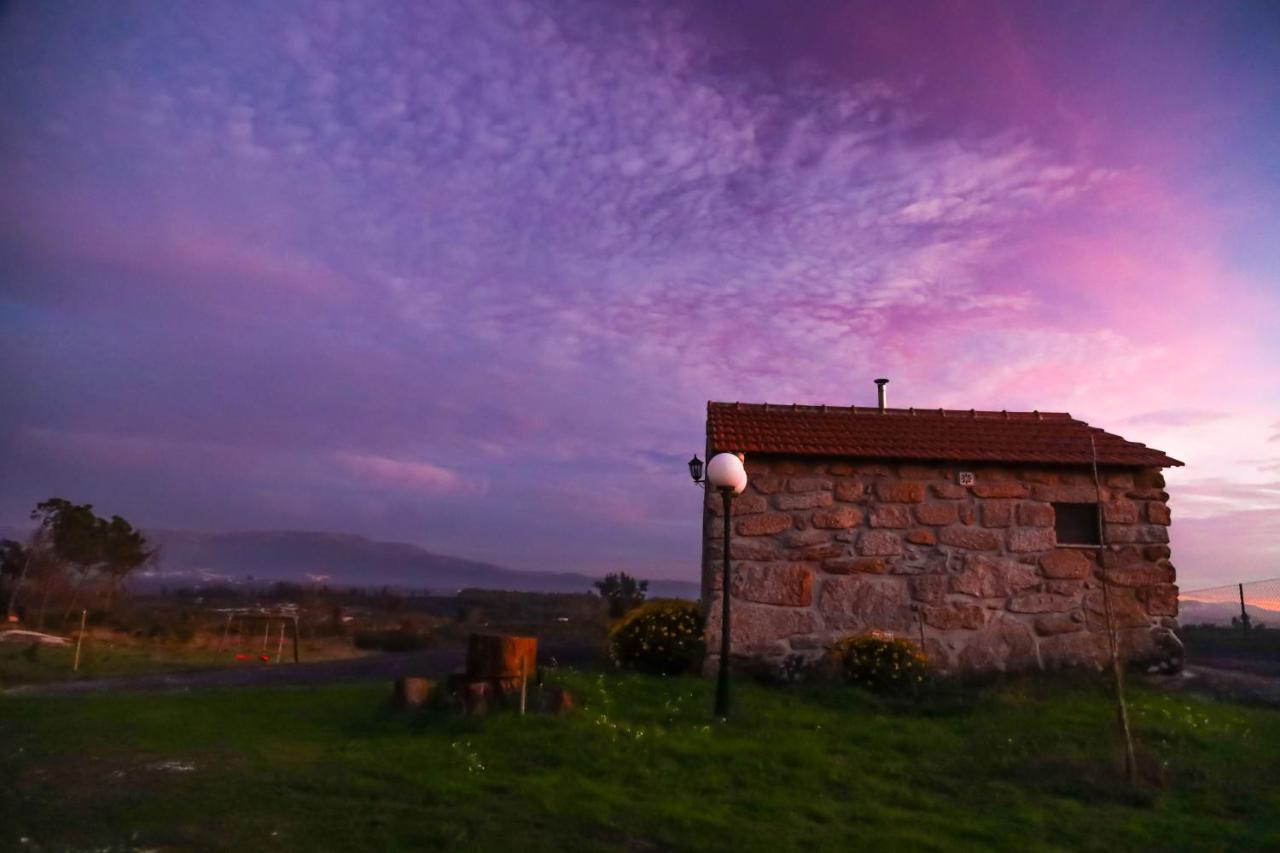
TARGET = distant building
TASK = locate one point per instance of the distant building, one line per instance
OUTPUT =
(977, 530)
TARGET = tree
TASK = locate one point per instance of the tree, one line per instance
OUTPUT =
(15, 559)
(123, 549)
(622, 592)
(88, 546)
(29, 565)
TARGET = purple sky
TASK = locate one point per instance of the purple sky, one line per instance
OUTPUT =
(465, 274)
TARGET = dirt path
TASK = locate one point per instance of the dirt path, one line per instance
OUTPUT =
(431, 663)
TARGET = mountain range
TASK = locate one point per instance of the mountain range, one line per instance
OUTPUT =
(342, 559)
(1222, 612)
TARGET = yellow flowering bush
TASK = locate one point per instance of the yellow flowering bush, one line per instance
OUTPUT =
(661, 637)
(881, 663)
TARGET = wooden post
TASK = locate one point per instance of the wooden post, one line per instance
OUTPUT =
(226, 629)
(1244, 614)
(295, 639)
(524, 682)
(84, 614)
(1117, 670)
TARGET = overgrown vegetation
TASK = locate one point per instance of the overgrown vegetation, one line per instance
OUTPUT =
(621, 592)
(663, 637)
(1025, 765)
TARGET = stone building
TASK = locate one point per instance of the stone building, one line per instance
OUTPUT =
(976, 533)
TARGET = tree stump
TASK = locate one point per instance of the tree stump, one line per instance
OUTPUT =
(501, 656)
(555, 700)
(477, 697)
(411, 692)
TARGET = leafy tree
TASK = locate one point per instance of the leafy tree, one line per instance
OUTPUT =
(15, 559)
(70, 530)
(622, 592)
(89, 546)
(29, 565)
(123, 549)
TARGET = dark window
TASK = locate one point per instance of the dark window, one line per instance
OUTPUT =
(1076, 524)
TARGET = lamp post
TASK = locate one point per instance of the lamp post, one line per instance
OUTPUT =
(725, 474)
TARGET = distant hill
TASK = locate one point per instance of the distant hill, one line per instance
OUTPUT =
(340, 559)
(1222, 612)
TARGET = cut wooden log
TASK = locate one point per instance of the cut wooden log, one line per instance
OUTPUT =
(501, 656)
(477, 697)
(411, 692)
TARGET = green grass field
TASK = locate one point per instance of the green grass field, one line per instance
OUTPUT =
(20, 664)
(1025, 765)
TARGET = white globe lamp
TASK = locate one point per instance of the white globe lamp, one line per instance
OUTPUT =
(725, 471)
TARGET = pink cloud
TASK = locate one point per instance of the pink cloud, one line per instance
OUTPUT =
(188, 253)
(1231, 547)
(420, 477)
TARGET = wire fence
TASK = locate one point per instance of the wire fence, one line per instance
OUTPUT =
(1255, 604)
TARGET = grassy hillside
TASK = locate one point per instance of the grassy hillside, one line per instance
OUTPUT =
(1028, 765)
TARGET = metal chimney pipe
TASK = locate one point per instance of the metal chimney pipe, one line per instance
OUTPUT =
(880, 393)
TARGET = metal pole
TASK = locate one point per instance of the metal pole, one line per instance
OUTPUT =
(722, 683)
(295, 639)
(1244, 615)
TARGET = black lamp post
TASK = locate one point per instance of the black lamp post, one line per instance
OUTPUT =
(726, 474)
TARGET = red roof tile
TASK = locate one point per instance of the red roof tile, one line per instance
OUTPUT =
(934, 434)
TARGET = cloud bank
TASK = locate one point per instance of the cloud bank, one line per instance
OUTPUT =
(427, 271)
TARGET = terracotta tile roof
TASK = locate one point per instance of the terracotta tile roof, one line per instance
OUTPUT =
(936, 434)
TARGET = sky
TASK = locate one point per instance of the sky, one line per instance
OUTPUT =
(466, 274)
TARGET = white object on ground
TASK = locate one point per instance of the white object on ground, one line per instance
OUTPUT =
(17, 635)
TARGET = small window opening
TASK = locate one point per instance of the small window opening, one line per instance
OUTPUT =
(1076, 524)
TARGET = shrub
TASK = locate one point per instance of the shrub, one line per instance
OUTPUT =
(880, 663)
(660, 638)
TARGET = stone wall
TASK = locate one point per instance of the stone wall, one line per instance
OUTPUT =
(823, 549)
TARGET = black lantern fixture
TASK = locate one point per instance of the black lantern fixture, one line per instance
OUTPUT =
(695, 468)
